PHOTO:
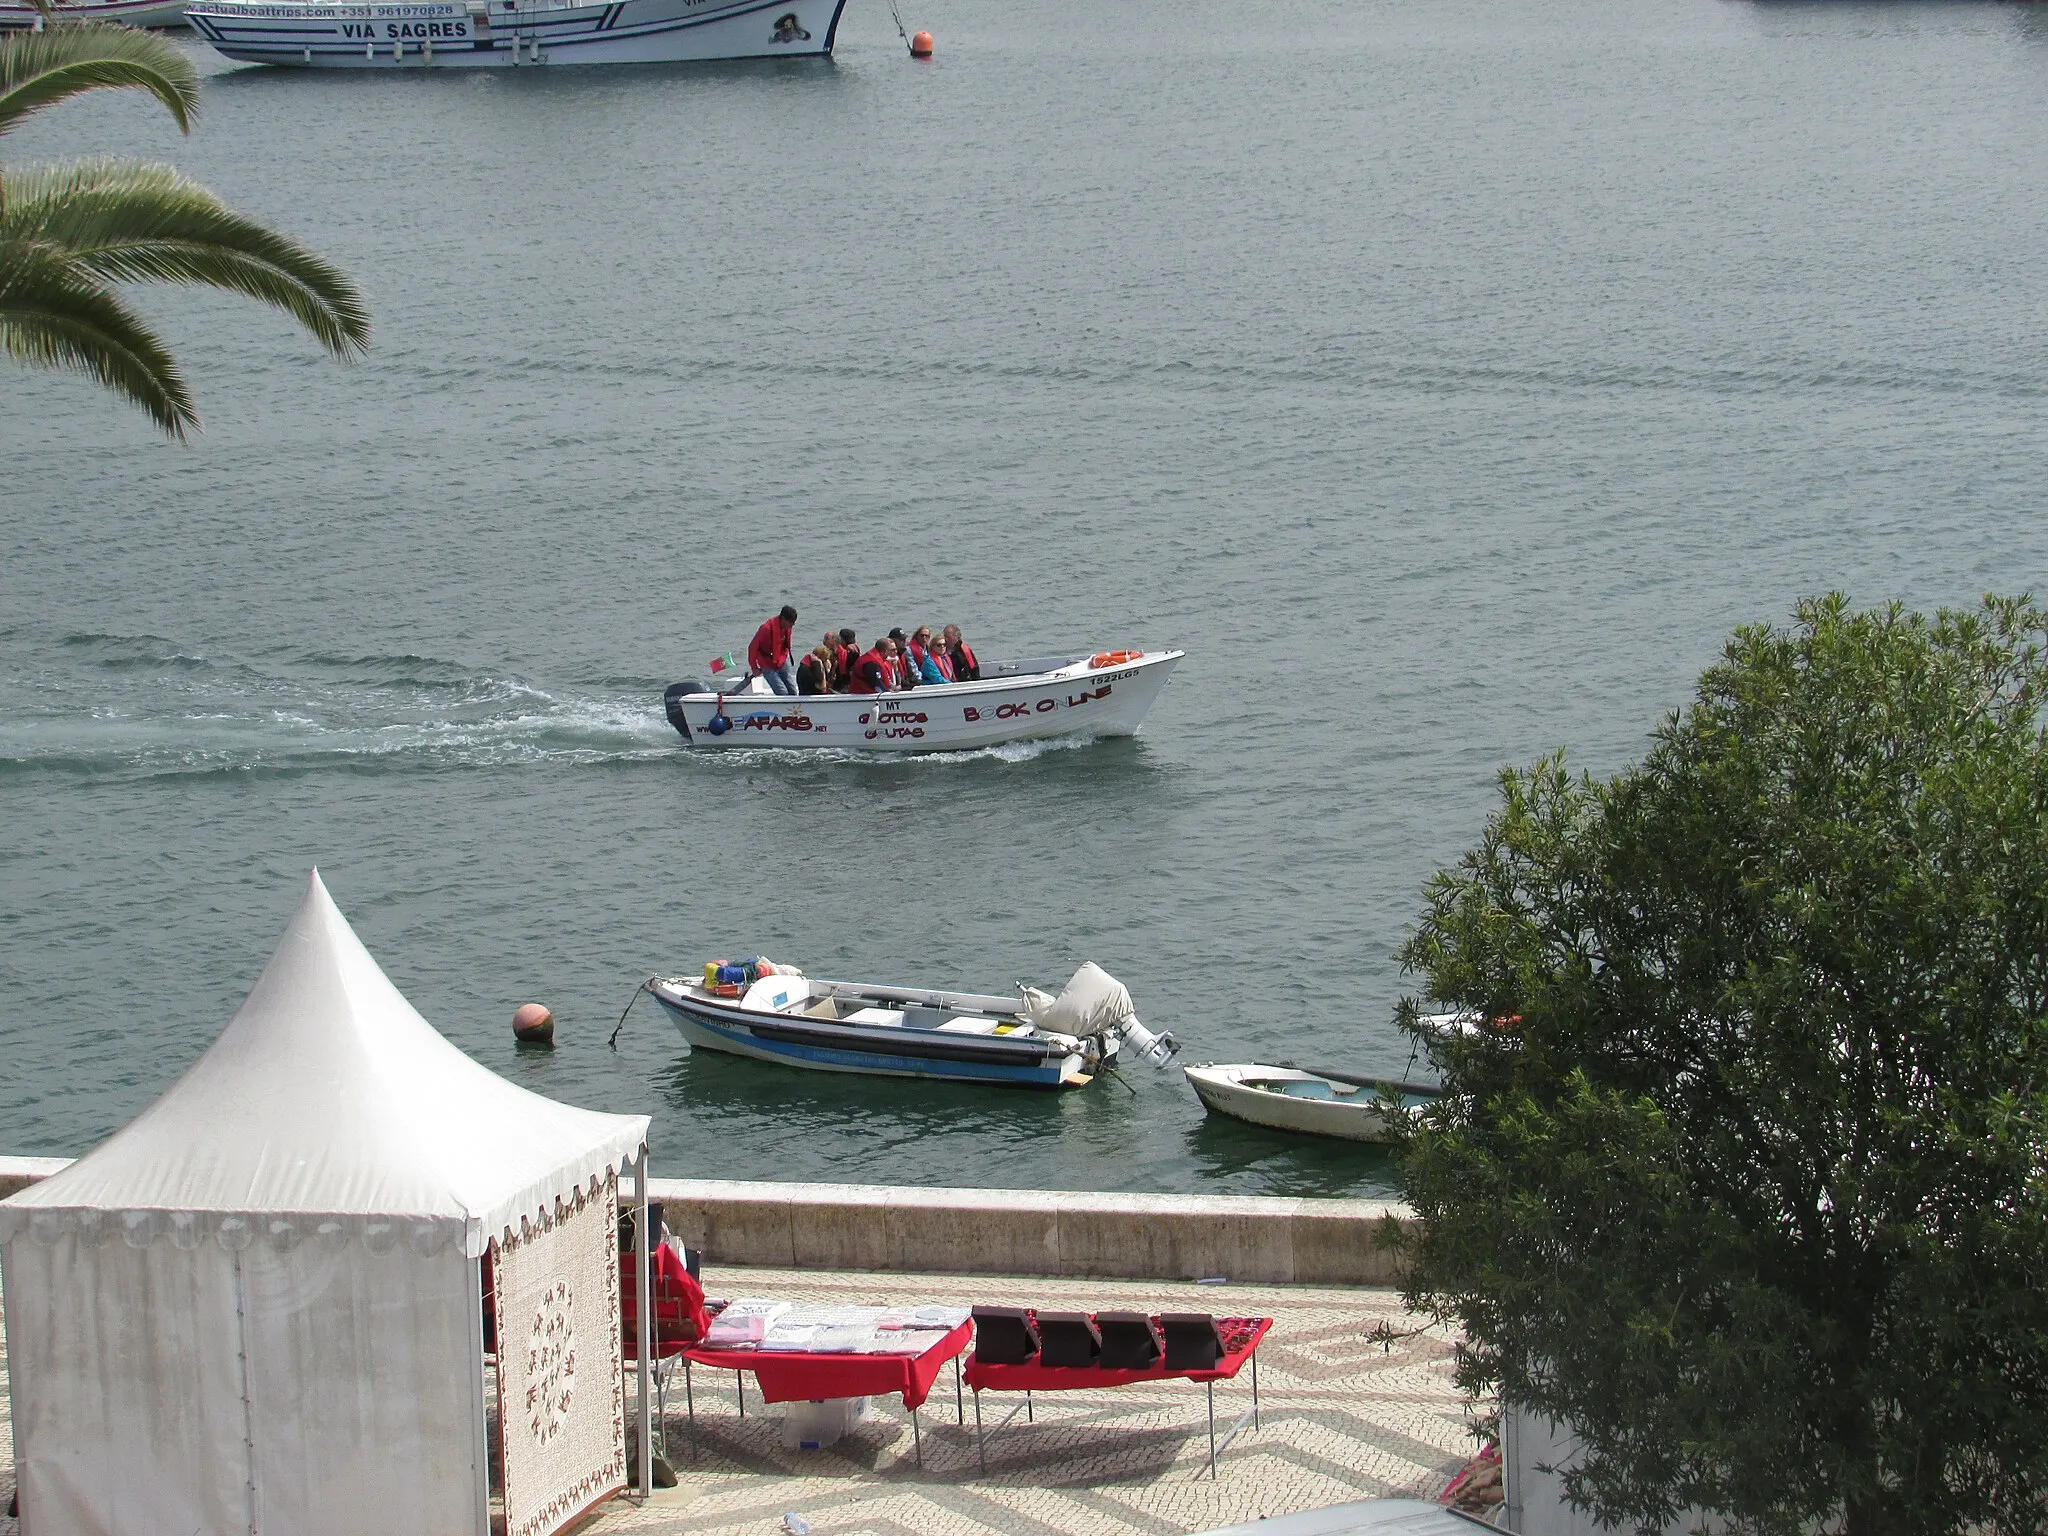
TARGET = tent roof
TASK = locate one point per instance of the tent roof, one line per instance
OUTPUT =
(328, 1108)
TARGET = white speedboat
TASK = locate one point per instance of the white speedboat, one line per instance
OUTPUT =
(15, 17)
(1026, 1040)
(1315, 1104)
(508, 34)
(1106, 694)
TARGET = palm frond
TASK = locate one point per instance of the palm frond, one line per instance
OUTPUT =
(40, 69)
(124, 222)
(52, 317)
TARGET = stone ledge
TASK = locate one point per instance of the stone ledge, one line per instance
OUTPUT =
(1032, 1232)
(912, 1230)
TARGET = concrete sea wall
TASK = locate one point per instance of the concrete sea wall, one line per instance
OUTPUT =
(1032, 1232)
(1005, 1231)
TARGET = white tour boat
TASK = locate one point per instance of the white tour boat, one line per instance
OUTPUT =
(1027, 1040)
(507, 34)
(1106, 694)
(1313, 1103)
(18, 17)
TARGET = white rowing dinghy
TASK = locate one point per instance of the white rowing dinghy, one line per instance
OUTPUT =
(1289, 1099)
(1041, 697)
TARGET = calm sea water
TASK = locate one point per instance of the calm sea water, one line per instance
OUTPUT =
(1448, 378)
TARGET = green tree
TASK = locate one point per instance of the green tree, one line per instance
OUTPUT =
(69, 232)
(1745, 1173)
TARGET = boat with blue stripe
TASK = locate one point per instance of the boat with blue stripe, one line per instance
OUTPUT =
(1026, 1040)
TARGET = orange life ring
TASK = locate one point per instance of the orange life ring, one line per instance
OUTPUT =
(1103, 659)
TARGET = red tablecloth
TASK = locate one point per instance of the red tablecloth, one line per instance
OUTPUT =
(788, 1377)
(1033, 1377)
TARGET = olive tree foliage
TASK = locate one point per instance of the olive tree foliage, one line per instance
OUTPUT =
(1743, 1172)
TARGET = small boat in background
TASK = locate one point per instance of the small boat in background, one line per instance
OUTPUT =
(1040, 697)
(1313, 1103)
(16, 17)
(1027, 1040)
(513, 34)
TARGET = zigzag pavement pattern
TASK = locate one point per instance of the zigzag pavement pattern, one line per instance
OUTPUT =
(1341, 1417)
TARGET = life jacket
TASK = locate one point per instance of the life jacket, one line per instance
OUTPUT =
(942, 661)
(679, 1316)
(813, 675)
(859, 682)
(965, 668)
(770, 647)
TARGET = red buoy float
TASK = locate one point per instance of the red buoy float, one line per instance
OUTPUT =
(533, 1025)
(921, 46)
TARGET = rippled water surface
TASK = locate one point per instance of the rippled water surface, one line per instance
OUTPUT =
(1447, 378)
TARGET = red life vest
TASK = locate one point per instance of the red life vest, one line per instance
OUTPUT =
(859, 682)
(965, 668)
(771, 645)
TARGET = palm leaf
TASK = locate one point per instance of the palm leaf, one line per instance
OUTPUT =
(40, 69)
(53, 317)
(123, 222)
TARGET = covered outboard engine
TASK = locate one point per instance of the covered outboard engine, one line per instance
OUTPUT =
(671, 703)
(1096, 1003)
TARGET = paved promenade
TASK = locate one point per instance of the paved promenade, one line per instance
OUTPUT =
(1342, 1418)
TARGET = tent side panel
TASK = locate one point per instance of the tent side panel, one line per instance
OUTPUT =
(561, 1384)
(127, 1391)
(359, 1382)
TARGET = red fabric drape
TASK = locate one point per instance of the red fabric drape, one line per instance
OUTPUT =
(1033, 1377)
(800, 1378)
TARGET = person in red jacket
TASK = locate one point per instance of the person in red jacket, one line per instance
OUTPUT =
(845, 652)
(768, 656)
(902, 671)
(966, 666)
(871, 673)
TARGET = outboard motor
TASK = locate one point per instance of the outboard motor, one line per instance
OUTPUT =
(1158, 1049)
(671, 703)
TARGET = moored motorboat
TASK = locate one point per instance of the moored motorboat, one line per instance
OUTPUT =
(16, 17)
(1029, 1039)
(507, 34)
(1040, 697)
(1315, 1104)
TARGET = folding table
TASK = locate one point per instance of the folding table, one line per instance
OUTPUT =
(794, 1376)
(1243, 1332)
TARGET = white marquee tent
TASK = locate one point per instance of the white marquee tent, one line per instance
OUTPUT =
(259, 1305)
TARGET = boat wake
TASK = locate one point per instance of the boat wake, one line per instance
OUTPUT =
(142, 705)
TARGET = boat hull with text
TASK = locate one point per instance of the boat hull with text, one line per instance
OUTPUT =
(511, 34)
(1034, 699)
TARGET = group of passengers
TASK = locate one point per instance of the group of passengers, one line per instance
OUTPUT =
(837, 664)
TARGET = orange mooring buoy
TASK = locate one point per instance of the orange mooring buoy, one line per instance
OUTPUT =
(533, 1025)
(921, 46)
